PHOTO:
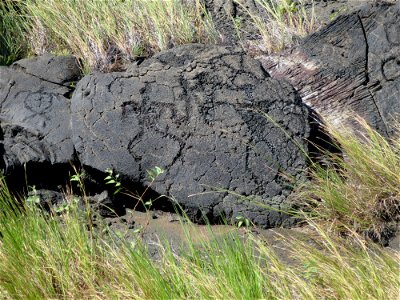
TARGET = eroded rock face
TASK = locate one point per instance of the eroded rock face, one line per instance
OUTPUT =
(226, 12)
(350, 66)
(35, 112)
(61, 70)
(195, 111)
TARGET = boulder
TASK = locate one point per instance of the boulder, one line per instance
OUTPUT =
(223, 130)
(351, 66)
(35, 111)
(62, 70)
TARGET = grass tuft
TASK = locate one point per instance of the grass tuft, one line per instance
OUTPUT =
(360, 190)
(280, 23)
(103, 32)
(13, 43)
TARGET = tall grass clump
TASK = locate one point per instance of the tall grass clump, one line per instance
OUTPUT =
(13, 42)
(56, 256)
(360, 190)
(103, 32)
(43, 257)
(280, 23)
(337, 268)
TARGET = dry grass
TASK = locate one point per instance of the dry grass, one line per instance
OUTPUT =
(280, 23)
(360, 191)
(103, 33)
(46, 256)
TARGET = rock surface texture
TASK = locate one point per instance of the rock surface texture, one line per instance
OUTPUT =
(35, 111)
(350, 66)
(226, 12)
(197, 112)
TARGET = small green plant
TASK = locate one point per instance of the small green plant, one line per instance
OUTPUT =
(113, 179)
(78, 178)
(311, 269)
(238, 24)
(334, 14)
(68, 206)
(33, 198)
(242, 222)
(153, 173)
(287, 7)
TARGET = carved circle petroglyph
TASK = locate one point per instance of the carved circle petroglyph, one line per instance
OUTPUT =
(38, 102)
(391, 68)
(393, 33)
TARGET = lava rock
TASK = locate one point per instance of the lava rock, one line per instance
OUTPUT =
(105, 205)
(211, 117)
(35, 112)
(46, 199)
(48, 67)
(351, 66)
(225, 13)
(233, 18)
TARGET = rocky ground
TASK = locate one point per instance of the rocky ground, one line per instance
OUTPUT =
(156, 227)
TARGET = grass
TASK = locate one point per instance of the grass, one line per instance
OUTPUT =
(55, 256)
(103, 33)
(280, 23)
(359, 191)
(12, 33)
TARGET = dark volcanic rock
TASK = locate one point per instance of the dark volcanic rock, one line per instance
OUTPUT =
(352, 65)
(232, 17)
(57, 201)
(46, 199)
(327, 10)
(55, 69)
(195, 112)
(35, 114)
(105, 205)
(226, 12)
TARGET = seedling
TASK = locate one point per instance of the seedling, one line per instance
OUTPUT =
(33, 199)
(66, 207)
(78, 178)
(242, 222)
(287, 7)
(153, 173)
(113, 179)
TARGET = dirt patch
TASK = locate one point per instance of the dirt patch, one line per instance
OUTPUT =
(157, 227)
